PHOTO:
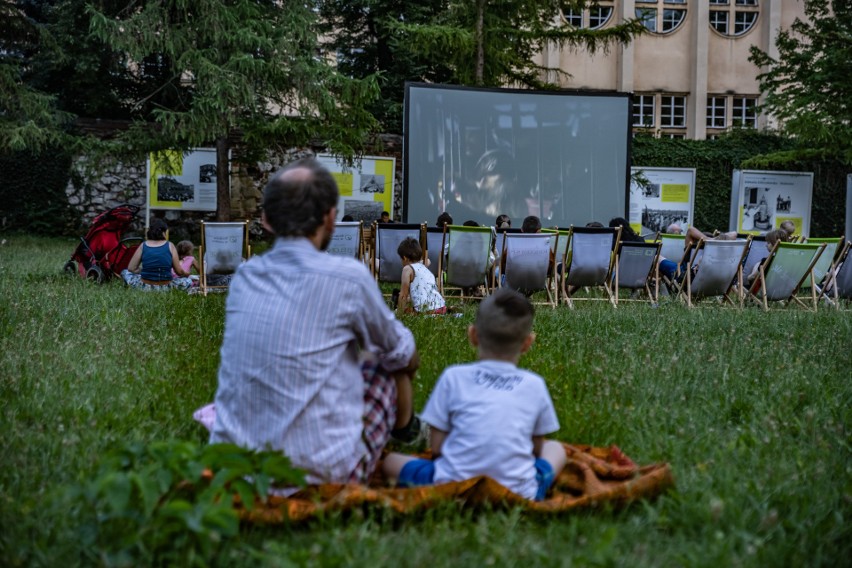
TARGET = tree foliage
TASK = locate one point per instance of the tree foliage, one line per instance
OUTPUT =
(492, 43)
(809, 86)
(247, 67)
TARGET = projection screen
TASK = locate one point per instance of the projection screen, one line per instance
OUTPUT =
(478, 153)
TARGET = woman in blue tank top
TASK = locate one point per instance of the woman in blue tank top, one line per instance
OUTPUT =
(152, 263)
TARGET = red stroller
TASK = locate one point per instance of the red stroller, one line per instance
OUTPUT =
(102, 252)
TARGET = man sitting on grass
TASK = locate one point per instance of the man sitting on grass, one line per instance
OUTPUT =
(490, 417)
(313, 363)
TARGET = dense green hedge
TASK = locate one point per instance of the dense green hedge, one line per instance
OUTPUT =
(715, 160)
(32, 193)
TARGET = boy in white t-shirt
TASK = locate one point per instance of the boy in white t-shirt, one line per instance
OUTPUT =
(490, 417)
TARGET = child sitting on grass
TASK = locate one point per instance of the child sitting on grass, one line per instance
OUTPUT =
(185, 250)
(418, 287)
(490, 417)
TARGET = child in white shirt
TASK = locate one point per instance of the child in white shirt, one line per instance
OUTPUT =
(490, 417)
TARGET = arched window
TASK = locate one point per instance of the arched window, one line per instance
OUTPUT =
(733, 18)
(661, 16)
(592, 17)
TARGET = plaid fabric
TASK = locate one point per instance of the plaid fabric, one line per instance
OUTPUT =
(379, 417)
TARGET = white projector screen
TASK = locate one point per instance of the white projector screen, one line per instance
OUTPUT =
(478, 153)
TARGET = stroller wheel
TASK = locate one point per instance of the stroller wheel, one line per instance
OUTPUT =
(70, 268)
(95, 274)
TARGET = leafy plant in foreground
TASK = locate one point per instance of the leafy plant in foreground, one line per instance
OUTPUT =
(172, 502)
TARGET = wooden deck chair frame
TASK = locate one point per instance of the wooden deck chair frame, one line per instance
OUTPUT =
(560, 249)
(730, 275)
(602, 273)
(837, 285)
(386, 254)
(207, 244)
(540, 272)
(634, 276)
(758, 292)
(434, 250)
(467, 272)
(345, 232)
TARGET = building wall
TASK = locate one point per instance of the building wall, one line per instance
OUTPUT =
(693, 61)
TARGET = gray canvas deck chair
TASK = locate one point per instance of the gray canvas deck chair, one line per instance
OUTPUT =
(838, 282)
(528, 260)
(385, 262)
(589, 260)
(223, 247)
(757, 251)
(499, 235)
(636, 268)
(467, 264)
(715, 268)
(781, 276)
(434, 249)
(346, 240)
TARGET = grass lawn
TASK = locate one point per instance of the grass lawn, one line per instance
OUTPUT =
(753, 410)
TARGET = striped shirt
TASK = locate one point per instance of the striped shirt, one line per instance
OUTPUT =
(290, 377)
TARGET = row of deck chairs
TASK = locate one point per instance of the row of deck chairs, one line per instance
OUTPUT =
(594, 263)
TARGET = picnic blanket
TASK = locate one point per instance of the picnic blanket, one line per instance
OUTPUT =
(593, 476)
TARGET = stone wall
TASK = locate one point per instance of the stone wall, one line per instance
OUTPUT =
(93, 192)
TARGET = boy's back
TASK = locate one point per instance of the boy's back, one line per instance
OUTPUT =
(490, 410)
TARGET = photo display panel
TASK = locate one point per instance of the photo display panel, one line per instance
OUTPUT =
(479, 153)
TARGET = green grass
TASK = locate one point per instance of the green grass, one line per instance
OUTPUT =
(753, 410)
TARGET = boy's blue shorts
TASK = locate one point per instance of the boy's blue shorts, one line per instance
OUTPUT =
(422, 472)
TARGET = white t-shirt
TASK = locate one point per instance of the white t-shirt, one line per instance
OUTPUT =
(491, 410)
(425, 296)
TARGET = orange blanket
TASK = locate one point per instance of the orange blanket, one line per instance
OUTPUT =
(592, 476)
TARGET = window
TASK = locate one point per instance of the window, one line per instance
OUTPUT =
(744, 112)
(665, 17)
(643, 111)
(716, 112)
(733, 18)
(672, 111)
(593, 17)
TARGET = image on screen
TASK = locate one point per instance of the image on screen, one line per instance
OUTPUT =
(479, 153)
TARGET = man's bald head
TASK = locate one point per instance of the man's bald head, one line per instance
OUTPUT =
(298, 197)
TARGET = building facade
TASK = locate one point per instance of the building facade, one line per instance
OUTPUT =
(690, 74)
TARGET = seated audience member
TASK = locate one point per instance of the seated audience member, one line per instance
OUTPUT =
(674, 229)
(627, 232)
(347, 218)
(531, 224)
(669, 267)
(790, 228)
(595, 225)
(502, 222)
(419, 290)
(470, 223)
(490, 417)
(154, 261)
(385, 218)
(312, 363)
(444, 219)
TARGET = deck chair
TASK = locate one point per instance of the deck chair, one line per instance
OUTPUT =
(838, 282)
(528, 259)
(589, 260)
(223, 247)
(559, 248)
(385, 262)
(781, 276)
(434, 249)
(346, 240)
(467, 262)
(833, 246)
(636, 268)
(717, 266)
(757, 251)
(500, 235)
(672, 248)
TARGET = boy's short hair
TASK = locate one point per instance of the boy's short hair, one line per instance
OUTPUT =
(531, 224)
(504, 321)
(776, 235)
(789, 227)
(184, 248)
(409, 248)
